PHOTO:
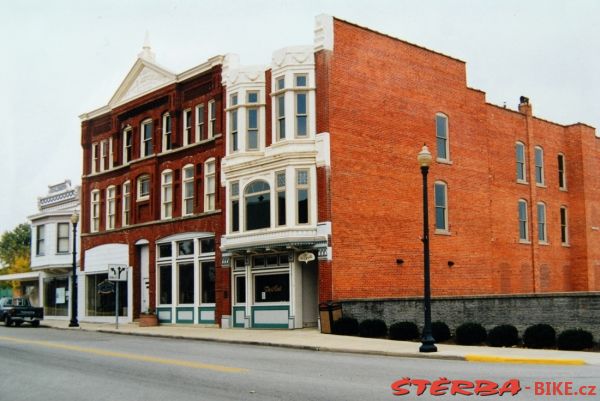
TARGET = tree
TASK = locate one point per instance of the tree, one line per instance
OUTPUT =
(15, 244)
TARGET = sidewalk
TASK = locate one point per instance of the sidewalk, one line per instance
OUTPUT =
(313, 340)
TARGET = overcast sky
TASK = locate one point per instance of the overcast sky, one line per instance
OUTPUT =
(59, 59)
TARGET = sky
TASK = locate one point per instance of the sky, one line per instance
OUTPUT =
(62, 58)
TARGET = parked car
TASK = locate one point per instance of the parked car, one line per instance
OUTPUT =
(18, 311)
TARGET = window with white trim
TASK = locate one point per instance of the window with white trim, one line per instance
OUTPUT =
(280, 189)
(166, 210)
(541, 217)
(564, 226)
(521, 162)
(280, 108)
(257, 197)
(167, 133)
(302, 196)
(111, 193)
(146, 135)
(199, 122)
(40, 247)
(95, 151)
(188, 138)
(212, 119)
(62, 238)
(143, 188)
(233, 122)
(441, 134)
(301, 98)
(95, 211)
(127, 145)
(562, 176)
(104, 154)
(539, 165)
(252, 121)
(188, 190)
(235, 207)
(209, 185)
(523, 221)
(125, 221)
(440, 190)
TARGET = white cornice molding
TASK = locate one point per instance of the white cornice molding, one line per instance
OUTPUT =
(323, 32)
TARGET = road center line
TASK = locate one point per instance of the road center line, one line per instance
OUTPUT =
(132, 357)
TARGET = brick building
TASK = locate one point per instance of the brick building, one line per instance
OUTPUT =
(320, 191)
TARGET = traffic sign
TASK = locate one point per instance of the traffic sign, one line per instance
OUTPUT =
(117, 272)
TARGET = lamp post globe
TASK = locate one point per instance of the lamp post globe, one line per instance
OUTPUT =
(74, 322)
(427, 341)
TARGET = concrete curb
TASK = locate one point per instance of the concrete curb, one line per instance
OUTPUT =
(522, 360)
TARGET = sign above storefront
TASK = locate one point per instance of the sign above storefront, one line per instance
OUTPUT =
(306, 257)
(106, 287)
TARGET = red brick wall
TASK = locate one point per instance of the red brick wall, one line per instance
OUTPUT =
(383, 95)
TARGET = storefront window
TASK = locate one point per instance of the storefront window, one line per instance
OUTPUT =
(272, 288)
(240, 289)
(165, 284)
(186, 283)
(103, 304)
(55, 296)
(164, 251)
(185, 247)
(208, 282)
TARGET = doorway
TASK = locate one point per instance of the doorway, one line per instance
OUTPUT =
(143, 257)
(310, 294)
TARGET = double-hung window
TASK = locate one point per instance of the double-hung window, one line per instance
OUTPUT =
(95, 151)
(104, 155)
(200, 123)
(62, 238)
(441, 206)
(110, 207)
(212, 119)
(167, 195)
(523, 221)
(252, 121)
(209, 185)
(280, 108)
(301, 98)
(188, 138)
(95, 211)
(143, 188)
(146, 148)
(167, 134)
(521, 162)
(233, 122)
(126, 204)
(541, 217)
(127, 145)
(302, 196)
(40, 248)
(539, 165)
(564, 226)
(442, 140)
(188, 190)
(562, 177)
(280, 188)
(235, 207)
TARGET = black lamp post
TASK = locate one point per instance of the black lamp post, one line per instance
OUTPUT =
(427, 341)
(73, 322)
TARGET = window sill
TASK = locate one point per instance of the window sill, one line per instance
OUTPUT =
(522, 182)
(524, 242)
(442, 232)
(566, 245)
(563, 189)
(545, 243)
(540, 185)
(444, 161)
(143, 199)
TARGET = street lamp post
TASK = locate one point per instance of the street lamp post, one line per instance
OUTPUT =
(427, 340)
(73, 322)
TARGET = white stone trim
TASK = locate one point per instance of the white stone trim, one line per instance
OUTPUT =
(323, 32)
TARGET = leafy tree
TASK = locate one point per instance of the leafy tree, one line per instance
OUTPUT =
(15, 244)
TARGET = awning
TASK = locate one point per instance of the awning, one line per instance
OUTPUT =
(20, 276)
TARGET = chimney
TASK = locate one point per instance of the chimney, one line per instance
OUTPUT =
(524, 106)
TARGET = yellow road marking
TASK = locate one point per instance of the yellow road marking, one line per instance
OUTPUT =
(538, 361)
(132, 357)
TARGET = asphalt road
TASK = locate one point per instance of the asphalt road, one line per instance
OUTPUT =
(49, 364)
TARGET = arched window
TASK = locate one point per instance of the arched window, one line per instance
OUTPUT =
(523, 224)
(258, 205)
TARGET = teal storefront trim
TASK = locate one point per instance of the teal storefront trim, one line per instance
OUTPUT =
(270, 325)
(202, 309)
(188, 309)
(235, 310)
(165, 311)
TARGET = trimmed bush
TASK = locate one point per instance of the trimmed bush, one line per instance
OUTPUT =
(575, 340)
(505, 335)
(440, 331)
(404, 331)
(372, 328)
(470, 334)
(345, 326)
(539, 336)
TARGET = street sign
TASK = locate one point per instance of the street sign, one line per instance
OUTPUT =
(117, 272)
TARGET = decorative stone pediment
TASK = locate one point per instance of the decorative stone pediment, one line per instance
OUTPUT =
(292, 56)
(143, 77)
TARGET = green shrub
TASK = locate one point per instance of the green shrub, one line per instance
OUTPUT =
(470, 334)
(539, 336)
(505, 335)
(372, 328)
(575, 340)
(404, 331)
(345, 326)
(440, 331)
